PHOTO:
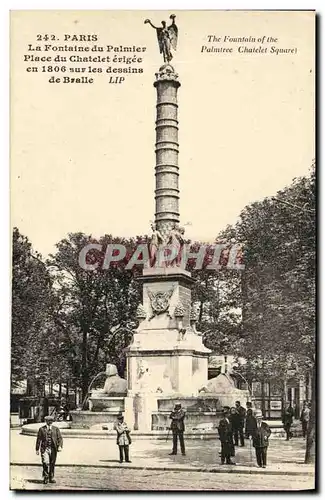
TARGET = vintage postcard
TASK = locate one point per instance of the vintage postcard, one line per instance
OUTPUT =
(163, 212)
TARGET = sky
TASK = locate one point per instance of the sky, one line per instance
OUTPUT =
(82, 156)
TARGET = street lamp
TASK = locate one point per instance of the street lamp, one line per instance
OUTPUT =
(245, 380)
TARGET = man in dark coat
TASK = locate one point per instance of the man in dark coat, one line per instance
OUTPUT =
(239, 423)
(287, 419)
(49, 441)
(225, 435)
(177, 426)
(260, 437)
(233, 419)
(250, 423)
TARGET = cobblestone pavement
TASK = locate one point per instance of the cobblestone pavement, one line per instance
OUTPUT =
(283, 456)
(81, 478)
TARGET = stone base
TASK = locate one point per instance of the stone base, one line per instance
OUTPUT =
(202, 431)
(138, 411)
(97, 432)
(99, 402)
(87, 419)
(194, 421)
(167, 354)
(171, 371)
(209, 404)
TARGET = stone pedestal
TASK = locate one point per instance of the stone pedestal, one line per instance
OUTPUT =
(165, 348)
(167, 357)
(100, 402)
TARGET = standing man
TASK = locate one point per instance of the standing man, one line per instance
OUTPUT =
(225, 435)
(261, 436)
(287, 419)
(123, 439)
(177, 426)
(234, 422)
(304, 418)
(49, 441)
(239, 423)
(250, 420)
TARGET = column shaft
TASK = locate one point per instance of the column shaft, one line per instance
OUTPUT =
(167, 170)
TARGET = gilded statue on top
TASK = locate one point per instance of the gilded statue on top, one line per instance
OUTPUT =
(167, 38)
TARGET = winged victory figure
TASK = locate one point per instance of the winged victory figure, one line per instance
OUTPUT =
(167, 38)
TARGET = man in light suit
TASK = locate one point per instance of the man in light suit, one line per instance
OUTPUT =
(49, 441)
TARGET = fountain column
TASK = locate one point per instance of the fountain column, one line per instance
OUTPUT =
(167, 358)
(167, 147)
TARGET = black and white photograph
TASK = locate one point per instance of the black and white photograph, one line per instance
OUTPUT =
(163, 250)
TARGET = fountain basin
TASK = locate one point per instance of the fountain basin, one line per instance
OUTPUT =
(194, 421)
(203, 413)
(204, 403)
(100, 403)
(87, 419)
(200, 433)
(97, 433)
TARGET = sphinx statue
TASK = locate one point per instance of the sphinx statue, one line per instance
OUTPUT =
(223, 388)
(114, 384)
(111, 396)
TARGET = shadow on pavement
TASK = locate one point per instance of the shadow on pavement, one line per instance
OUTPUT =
(203, 454)
(293, 462)
(110, 461)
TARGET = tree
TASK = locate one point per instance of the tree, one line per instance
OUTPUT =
(31, 302)
(278, 284)
(216, 295)
(91, 303)
(217, 298)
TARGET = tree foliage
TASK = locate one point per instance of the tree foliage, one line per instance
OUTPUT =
(216, 294)
(68, 322)
(278, 284)
(278, 287)
(31, 304)
(91, 304)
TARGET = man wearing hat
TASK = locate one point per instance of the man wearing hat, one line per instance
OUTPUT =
(123, 438)
(287, 419)
(49, 441)
(226, 437)
(177, 426)
(239, 423)
(250, 420)
(260, 436)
